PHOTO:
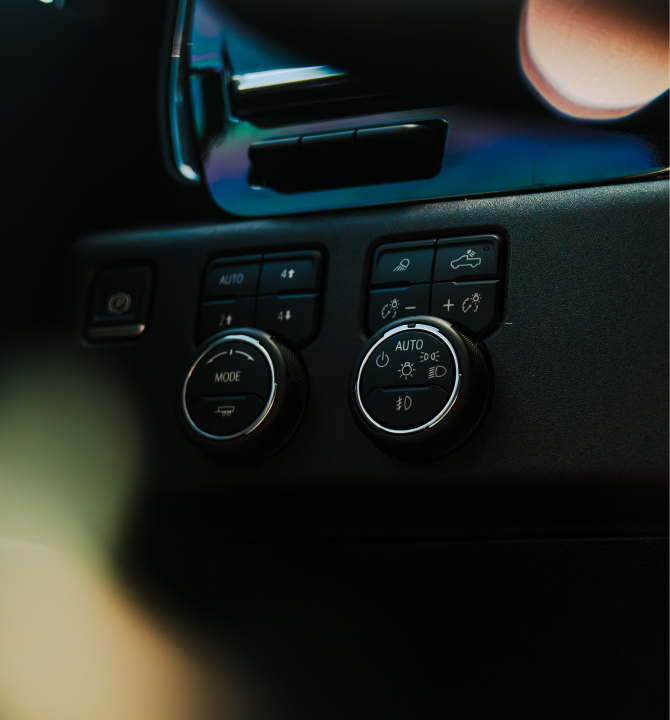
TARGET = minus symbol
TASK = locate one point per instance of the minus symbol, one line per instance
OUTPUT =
(411, 307)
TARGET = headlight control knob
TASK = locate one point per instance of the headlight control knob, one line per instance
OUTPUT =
(243, 397)
(419, 388)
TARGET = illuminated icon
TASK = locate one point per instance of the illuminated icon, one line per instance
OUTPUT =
(467, 260)
(391, 309)
(225, 410)
(402, 265)
(448, 304)
(403, 403)
(406, 370)
(287, 273)
(472, 302)
(432, 356)
(437, 371)
(284, 315)
(225, 320)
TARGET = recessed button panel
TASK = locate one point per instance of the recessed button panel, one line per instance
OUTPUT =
(232, 277)
(406, 264)
(287, 283)
(472, 304)
(409, 359)
(389, 305)
(215, 317)
(232, 368)
(403, 408)
(289, 273)
(225, 415)
(293, 316)
(465, 258)
(446, 272)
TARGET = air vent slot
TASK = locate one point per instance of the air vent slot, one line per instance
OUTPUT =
(365, 156)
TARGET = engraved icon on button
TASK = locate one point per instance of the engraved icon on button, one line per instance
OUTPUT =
(402, 265)
(467, 260)
(382, 359)
(118, 303)
(436, 371)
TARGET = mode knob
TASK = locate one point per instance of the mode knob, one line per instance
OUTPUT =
(419, 388)
(244, 396)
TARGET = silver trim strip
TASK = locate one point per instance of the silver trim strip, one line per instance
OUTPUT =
(454, 393)
(268, 404)
(115, 331)
(289, 76)
(176, 94)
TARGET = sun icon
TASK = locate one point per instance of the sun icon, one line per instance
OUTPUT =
(406, 370)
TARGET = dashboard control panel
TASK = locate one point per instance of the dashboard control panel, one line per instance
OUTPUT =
(457, 279)
(420, 386)
(276, 292)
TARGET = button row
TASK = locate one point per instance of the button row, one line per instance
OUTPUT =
(434, 278)
(232, 284)
(425, 261)
(471, 304)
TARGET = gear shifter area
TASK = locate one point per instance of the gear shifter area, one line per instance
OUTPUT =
(420, 388)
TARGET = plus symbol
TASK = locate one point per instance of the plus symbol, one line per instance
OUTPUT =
(448, 304)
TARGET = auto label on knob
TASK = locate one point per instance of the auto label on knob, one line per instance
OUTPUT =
(418, 358)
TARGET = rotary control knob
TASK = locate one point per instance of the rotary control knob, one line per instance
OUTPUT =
(243, 397)
(419, 388)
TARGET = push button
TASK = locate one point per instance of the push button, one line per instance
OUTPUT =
(228, 415)
(409, 359)
(215, 317)
(293, 316)
(402, 408)
(236, 277)
(120, 296)
(389, 305)
(232, 368)
(471, 304)
(290, 272)
(406, 264)
(462, 258)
